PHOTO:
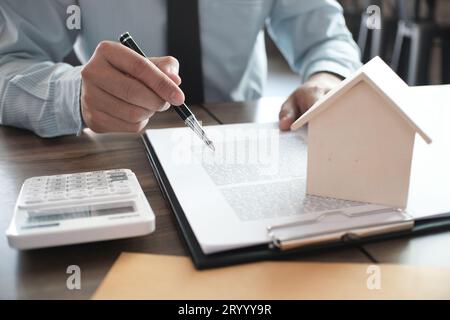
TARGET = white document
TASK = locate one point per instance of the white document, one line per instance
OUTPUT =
(429, 192)
(254, 180)
(257, 179)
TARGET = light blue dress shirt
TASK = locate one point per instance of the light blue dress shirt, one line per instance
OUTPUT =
(40, 93)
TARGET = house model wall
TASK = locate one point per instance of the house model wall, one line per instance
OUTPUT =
(361, 140)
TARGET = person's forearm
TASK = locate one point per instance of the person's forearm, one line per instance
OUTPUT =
(36, 91)
(314, 38)
(343, 60)
(333, 51)
(330, 78)
(40, 96)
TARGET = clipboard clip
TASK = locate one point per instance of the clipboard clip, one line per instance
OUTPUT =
(277, 242)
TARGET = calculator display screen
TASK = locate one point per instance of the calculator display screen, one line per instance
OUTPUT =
(77, 212)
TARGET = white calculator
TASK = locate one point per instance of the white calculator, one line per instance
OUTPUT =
(79, 207)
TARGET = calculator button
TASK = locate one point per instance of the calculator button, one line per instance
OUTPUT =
(77, 195)
(56, 183)
(99, 192)
(56, 189)
(98, 188)
(34, 184)
(123, 191)
(33, 200)
(38, 181)
(119, 183)
(56, 196)
(76, 187)
(96, 174)
(34, 191)
(114, 179)
(34, 195)
(97, 181)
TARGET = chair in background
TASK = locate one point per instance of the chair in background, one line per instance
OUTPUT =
(352, 14)
(370, 39)
(376, 40)
(414, 41)
(446, 56)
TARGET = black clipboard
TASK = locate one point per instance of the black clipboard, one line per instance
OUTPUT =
(263, 252)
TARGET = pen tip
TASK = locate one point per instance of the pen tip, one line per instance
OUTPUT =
(211, 146)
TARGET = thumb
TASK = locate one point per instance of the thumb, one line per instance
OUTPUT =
(288, 114)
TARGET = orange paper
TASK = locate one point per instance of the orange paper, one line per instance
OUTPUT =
(148, 276)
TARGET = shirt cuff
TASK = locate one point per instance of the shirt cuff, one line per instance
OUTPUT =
(327, 66)
(67, 102)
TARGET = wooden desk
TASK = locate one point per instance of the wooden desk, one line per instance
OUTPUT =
(41, 274)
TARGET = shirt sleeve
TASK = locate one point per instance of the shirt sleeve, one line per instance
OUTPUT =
(37, 91)
(313, 37)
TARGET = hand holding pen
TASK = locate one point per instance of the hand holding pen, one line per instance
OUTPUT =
(183, 111)
(121, 90)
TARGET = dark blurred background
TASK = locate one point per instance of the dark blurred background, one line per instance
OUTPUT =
(414, 39)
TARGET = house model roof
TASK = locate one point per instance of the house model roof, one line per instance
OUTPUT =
(381, 78)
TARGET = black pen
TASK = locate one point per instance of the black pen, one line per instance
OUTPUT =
(183, 110)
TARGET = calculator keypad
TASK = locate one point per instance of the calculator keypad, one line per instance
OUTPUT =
(78, 186)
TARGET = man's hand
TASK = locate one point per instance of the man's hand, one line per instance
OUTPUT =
(304, 97)
(121, 90)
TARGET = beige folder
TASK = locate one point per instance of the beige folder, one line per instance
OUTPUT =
(147, 276)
